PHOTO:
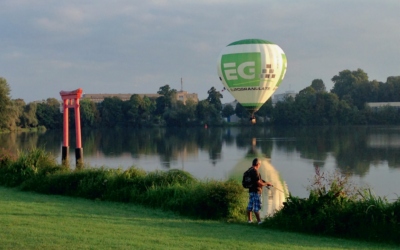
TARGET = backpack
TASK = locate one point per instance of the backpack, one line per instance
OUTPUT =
(247, 181)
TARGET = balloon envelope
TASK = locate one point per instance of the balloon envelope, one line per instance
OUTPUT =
(251, 70)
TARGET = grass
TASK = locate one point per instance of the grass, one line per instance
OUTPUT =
(173, 190)
(36, 221)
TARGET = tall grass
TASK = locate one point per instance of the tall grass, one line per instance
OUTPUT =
(330, 210)
(15, 170)
(173, 190)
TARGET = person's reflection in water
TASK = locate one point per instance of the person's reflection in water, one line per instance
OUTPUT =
(255, 191)
(273, 198)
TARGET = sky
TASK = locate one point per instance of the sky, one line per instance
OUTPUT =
(125, 46)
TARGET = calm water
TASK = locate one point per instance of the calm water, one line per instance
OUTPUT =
(372, 154)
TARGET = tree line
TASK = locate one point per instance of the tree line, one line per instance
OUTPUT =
(345, 104)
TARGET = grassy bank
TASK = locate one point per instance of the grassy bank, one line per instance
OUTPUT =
(173, 190)
(35, 221)
(338, 209)
(326, 212)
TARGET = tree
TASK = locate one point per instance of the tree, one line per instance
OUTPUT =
(90, 116)
(345, 82)
(285, 112)
(15, 112)
(266, 109)
(318, 85)
(389, 91)
(307, 91)
(214, 98)
(48, 114)
(202, 111)
(5, 102)
(215, 115)
(305, 105)
(167, 99)
(364, 92)
(345, 115)
(227, 111)
(388, 115)
(111, 111)
(241, 112)
(149, 105)
(326, 107)
(190, 109)
(135, 111)
(28, 116)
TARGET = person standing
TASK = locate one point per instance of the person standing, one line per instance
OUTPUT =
(255, 191)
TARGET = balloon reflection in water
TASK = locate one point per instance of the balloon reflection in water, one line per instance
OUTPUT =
(272, 198)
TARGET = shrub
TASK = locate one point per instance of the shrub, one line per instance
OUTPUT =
(6, 157)
(329, 210)
(210, 199)
(338, 182)
(41, 128)
(173, 190)
(28, 164)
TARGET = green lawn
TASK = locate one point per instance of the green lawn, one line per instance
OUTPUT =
(35, 221)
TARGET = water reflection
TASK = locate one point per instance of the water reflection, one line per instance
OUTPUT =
(353, 148)
(370, 153)
(272, 198)
(22, 141)
(168, 144)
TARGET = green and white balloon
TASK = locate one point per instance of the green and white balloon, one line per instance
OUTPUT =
(251, 70)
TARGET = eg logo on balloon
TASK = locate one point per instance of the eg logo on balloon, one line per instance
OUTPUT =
(241, 69)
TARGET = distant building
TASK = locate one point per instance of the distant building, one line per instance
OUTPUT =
(281, 97)
(184, 96)
(181, 95)
(378, 105)
(124, 97)
(40, 102)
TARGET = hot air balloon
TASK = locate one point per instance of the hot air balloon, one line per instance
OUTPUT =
(251, 70)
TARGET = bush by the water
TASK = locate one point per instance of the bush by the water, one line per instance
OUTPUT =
(173, 190)
(336, 208)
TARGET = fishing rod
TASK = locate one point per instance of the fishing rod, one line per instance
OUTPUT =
(269, 187)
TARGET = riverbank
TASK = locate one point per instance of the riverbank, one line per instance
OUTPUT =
(36, 221)
(174, 190)
(327, 212)
(19, 130)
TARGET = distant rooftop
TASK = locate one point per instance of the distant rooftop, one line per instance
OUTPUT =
(181, 95)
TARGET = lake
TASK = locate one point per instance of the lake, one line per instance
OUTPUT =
(289, 154)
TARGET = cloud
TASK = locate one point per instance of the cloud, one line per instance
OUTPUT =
(61, 64)
(142, 45)
(14, 55)
(70, 19)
